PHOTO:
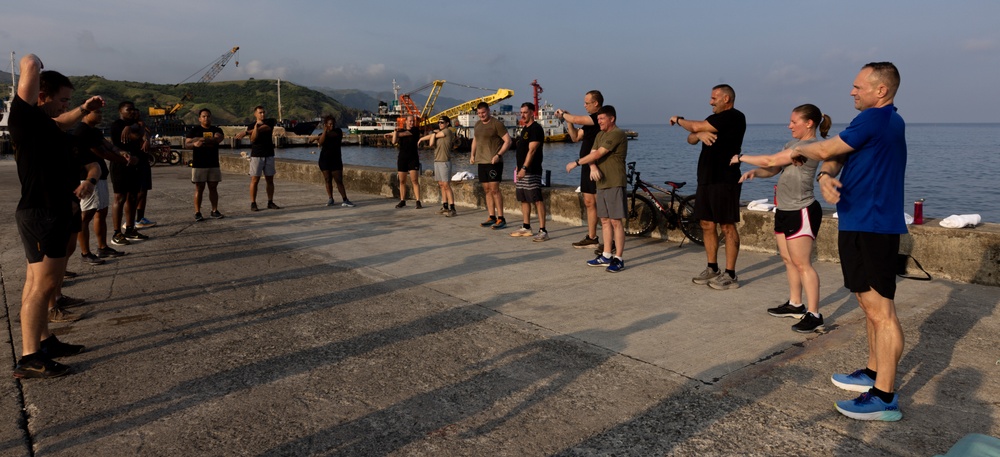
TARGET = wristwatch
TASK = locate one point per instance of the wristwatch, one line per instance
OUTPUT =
(92, 181)
(821, 174)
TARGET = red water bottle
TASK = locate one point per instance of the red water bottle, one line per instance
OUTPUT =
(918, 212)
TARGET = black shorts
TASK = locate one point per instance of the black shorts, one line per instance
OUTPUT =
(719, 203)
(587, 185)
(124, 179)
(799, 223)
(408, 164)
(45, 233)
(491, 172)
(868, 261)
(144, 175)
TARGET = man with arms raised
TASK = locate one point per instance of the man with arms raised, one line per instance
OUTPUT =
(48, 209)
(490, 141)
(870, 158)
(592, 101)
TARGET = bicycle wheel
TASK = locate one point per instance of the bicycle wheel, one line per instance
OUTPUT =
(175, 158)
(152, 158)
(690, 226)
(641, 215)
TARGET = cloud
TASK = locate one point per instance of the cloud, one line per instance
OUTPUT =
(256, 69)
(86, 42)
(371, 77)
(980, 44)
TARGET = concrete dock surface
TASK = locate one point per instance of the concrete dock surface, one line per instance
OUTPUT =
(315, 330)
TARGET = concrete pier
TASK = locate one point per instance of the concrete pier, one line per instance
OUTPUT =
(315, 330)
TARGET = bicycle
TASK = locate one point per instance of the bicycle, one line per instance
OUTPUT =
(161, 152)
(643, 209)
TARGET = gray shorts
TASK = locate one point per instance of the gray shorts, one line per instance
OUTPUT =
(206, 175)
(611, 203)
(98, 200)
(442, 171)
(261, 166)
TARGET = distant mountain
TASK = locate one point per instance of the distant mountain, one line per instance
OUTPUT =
(368, 100)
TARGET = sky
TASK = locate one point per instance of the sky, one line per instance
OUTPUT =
(650, 59)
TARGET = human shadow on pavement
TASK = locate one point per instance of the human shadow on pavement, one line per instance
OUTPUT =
(500, 391)
(198, 391)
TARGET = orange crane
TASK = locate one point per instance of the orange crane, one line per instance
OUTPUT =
(216, 66)
(424, 118)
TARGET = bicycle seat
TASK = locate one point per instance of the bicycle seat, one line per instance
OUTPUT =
(675, 185)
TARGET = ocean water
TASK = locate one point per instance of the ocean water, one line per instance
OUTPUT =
(952, 166)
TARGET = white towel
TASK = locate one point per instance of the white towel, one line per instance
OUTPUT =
(463, 176)
(959, 221)
(760, 205)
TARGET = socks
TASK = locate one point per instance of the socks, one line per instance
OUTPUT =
(870, 373)
(884, 396)
(731, 273)
(714, 267)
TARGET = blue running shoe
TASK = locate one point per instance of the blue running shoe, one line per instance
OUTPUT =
(600, 261)
(868, 407)
(855, 382)
(616, 265)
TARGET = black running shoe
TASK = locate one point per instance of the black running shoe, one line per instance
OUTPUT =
(119, 239)
(216, 214)
(54, 348)
(133, 234)
(109, 252)
(271, 205)
(39, 366)
(787, 310)
(809, 324)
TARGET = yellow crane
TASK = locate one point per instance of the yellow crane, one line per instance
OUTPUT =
(492, 99)
(216, 67)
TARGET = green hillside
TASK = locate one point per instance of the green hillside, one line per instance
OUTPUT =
(231, 102)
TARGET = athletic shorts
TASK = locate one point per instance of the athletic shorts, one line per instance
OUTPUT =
(334, 164)
(803, 222)
(587, 185)
(611, 203)
(719, 203)
(262, 166)
(144, 175)
(206, 174)
(98, 200)
(491, 172)
(124, 179)
(408, 164)
(442, 171)
(529, 189)
(868, 261)
(45, 233)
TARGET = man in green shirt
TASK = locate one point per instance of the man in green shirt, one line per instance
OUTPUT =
(490, 141)
(608, 157)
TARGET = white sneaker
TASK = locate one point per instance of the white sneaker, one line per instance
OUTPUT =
(521, 232)
(541, 236)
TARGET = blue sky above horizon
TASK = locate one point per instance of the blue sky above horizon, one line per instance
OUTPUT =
(650, 59)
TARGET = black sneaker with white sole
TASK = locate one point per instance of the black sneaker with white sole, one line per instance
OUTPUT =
(809, 323)
(787, 310)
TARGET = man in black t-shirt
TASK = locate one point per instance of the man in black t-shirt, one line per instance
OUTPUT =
(204, 140)
(528, 185)
(717, 200)
(92, 144)
(129, 179)
(261, 156)
(50, 186)
(592, 101)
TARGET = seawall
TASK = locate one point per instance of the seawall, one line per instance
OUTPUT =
(969, 255)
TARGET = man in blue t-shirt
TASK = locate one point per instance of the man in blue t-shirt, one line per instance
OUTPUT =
(870, 158)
